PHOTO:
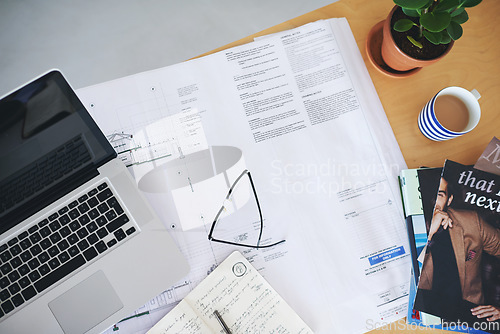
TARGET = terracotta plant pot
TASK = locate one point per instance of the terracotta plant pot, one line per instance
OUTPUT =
(395, 58)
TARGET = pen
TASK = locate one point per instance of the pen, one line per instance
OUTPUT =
(222, 323)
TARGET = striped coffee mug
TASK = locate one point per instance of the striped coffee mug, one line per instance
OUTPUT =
(433, 129)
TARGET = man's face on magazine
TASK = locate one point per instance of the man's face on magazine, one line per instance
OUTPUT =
(443, 199)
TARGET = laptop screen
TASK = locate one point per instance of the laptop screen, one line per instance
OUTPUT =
(50, 145)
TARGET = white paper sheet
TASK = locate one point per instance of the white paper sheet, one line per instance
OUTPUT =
(301, 107)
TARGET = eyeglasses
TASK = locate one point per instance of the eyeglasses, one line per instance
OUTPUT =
(228, 203)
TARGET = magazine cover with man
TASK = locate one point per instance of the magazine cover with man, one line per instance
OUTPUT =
(460, 278)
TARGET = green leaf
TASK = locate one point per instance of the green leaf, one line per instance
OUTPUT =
(435, 22)
(433, 37)
(457, 11)
(403, 25)
(461, 18)
(415, 42)
(455, 30)
(411, 12)
(471, 3)
(445, 37)
(411, 4)
(447, 5)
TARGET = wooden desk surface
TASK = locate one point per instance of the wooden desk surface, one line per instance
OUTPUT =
(474, 62)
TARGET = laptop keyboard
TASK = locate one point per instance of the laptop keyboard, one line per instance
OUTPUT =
(58, 245)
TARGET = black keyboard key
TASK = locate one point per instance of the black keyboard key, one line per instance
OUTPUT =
(12, 241)
(59, 273)
(112, 242)
(117, 223)
(72, 239)
(23, 270)
(93, 202)
(74, 226)
(73, 204)
(63, 211)
(90, 253)
(55, 238)
(25, 244)
(23, 235)
(101, 221)
(44, 270)
(14, 288)
(72, 251)
(73, 214)
(3, 247)
(7, 306)
(130, 230)
(17, 300)
(84, 219)
(6, 268)
(53, 216)
(35, 237)
(82, 233)
(110, 215)
(15, 250)
(63, 245)
(16, 262)
(92, 192)
(24, 282)
(93, 214)
(44, 232)
(34, 263)
(45, 243)
(63, 257)
(102, 186)
(34, 275)
(4, 282)
(92, 227)
(102, 232)
(5, 256)
(54, 226)
(101, 246)
(119, 234)
(104, 195)
(32, 229)
(65, 231)
(53, 251)
(83, 198)
(43, 257)
(4, 295)
(113, 202)
(43, 223)
(53, 263)
(25, 256)
(28, 293)
(14, 276)
(83, 245)
(64, 220)
(103, 207)
(83, 208)
(35, 250)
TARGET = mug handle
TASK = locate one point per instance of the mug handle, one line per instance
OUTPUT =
(476, 94)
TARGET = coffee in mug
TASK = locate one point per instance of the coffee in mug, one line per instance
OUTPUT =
(452, 112)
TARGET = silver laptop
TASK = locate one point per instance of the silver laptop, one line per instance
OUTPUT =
(80, 248)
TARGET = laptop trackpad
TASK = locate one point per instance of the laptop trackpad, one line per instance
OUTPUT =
(86, 304)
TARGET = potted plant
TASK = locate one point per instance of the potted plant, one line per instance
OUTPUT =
(418, 33)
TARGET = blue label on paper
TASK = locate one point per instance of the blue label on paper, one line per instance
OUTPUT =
(386, 255)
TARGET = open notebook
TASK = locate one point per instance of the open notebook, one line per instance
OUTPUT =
(243, 298)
